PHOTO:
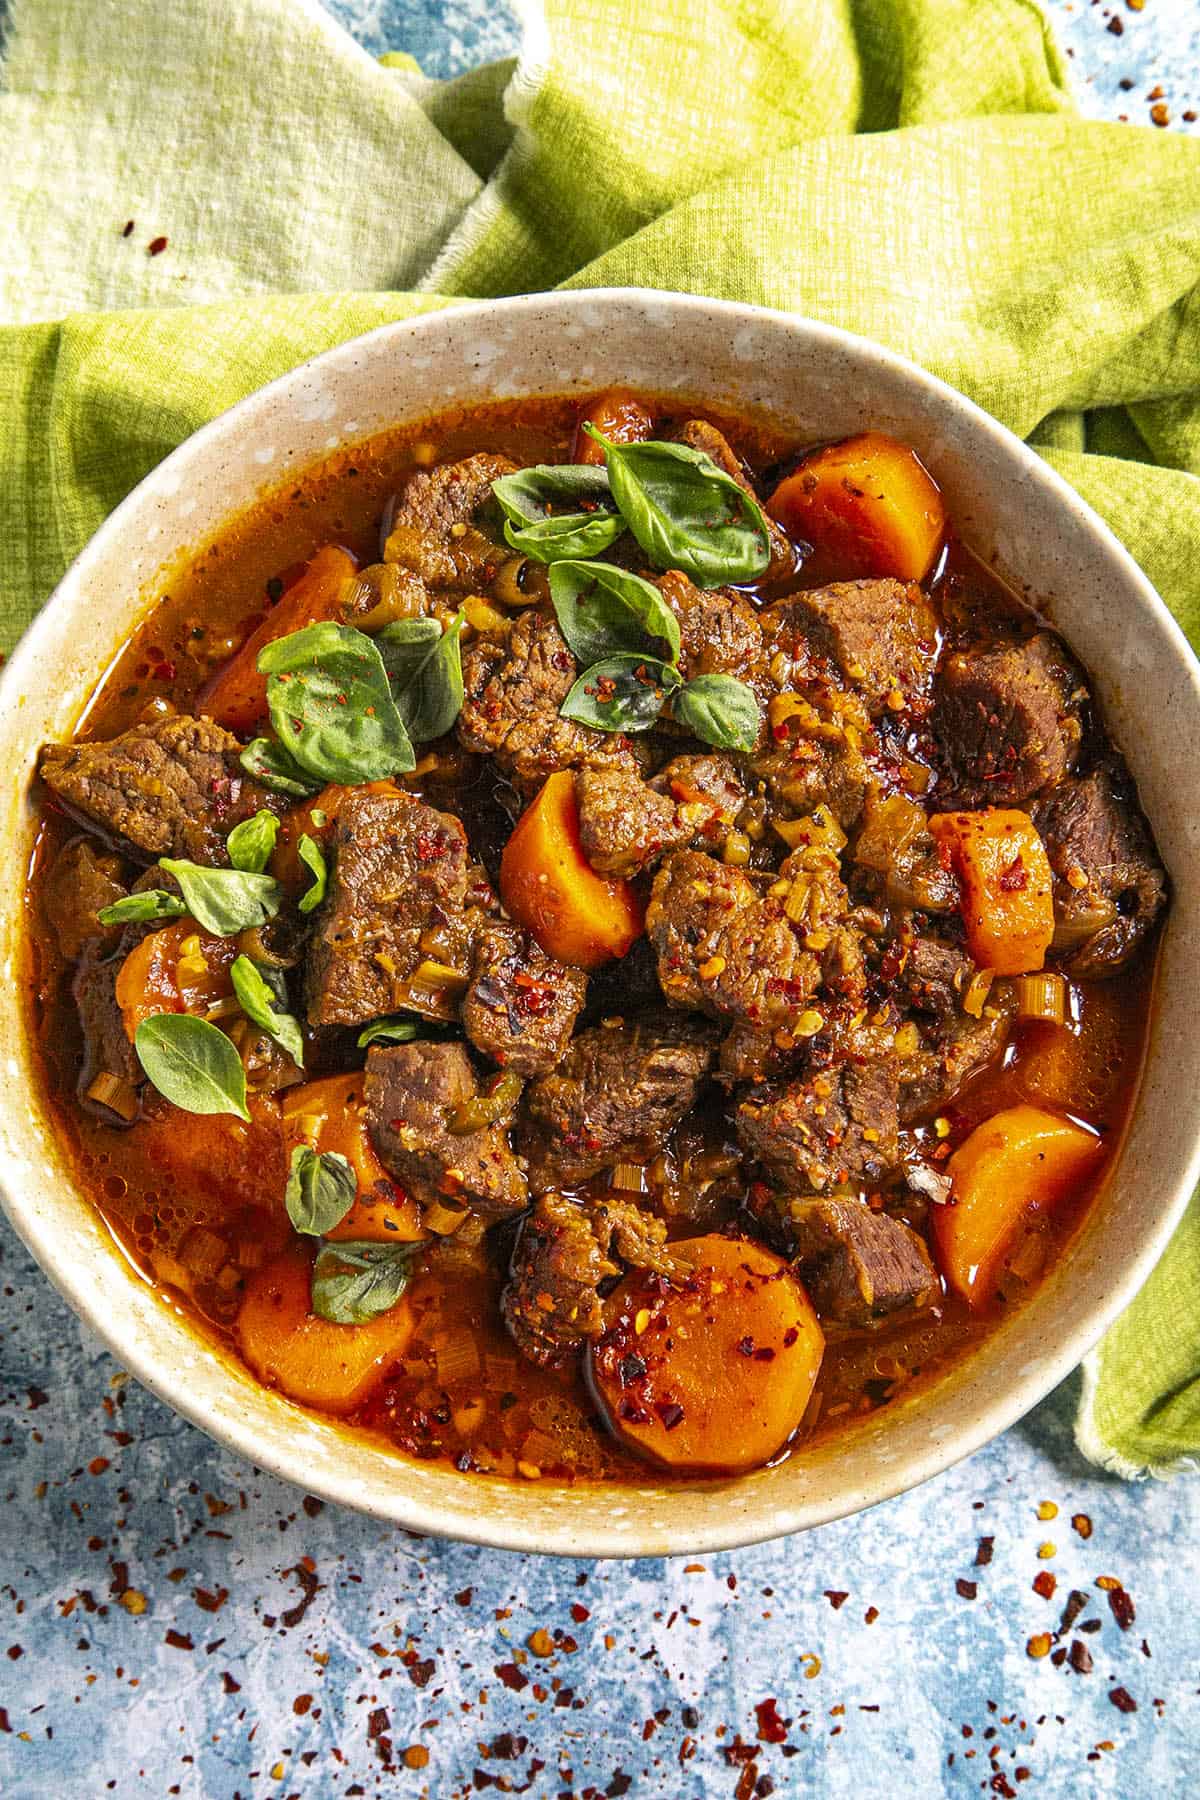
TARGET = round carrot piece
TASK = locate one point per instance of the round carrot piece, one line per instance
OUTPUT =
(713, 1372)
(867, 506)
(548, 885)
(328, 1115)
(1019, 1163)
(332, 1367)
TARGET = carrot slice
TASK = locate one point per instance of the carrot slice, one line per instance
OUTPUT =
(867, 506)
(329, 1115)
(712, 1373)
(548, 885)
(1007, 886)
(1017, 1165)
(333, 1367)
(179, 969)
(618, 416)
(236, 697)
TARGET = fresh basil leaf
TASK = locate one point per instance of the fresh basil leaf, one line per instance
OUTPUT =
(140, 908)
(250, 844)
(192, 1064)
(355, 1282)
(331, 704)
(406, 646)
(313, 858)
(549, 488)
(224, 901)
(719, 710)
(685, 512)
(321, 1189)
(269, 763)
(426, 674)
(259, 993)
(568, 537)
(389, 1031)
(605, 611)
(622, 693)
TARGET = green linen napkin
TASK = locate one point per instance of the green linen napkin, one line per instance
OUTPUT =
(913, 170)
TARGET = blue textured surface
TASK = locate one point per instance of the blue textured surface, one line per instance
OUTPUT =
(177, 1623)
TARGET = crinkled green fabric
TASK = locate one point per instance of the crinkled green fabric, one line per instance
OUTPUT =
(913, 170)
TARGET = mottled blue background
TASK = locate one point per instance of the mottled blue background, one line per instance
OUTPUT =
(176, 1623)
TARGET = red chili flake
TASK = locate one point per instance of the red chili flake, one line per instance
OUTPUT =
(1082, 1524)
(128, 231)
(1014, 877)
(1045, 1584)
(4, 1724)
(1122, 1607)
(302, 1704)
(983, 1552)
(229, 1684)
(580, 1613)
(97, 1465)
(966, 1590)
(771, 1728)
(1076, 1601)
(463, 1597)
(870, 1616)
(1123, 1700)
(837, 1598)
(671, 1414)
(1081, 1657)
(156, 246)
(210, 1602)
(790, 1336)
(179, 1640)
(511, 1676)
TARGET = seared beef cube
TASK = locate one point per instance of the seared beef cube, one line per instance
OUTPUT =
(755, 956)
(432, 531)
(878, 636)
(804, 772)
(420, 1100)
(83, 880)
(698, 434)
(719, 634)
(748, 1053)
(858, 1265)
(1007, 720)
(514, 688)
(619, 1090)
(399, 873)
(626, 824)
(521, 1006)
(935, 976)
(173, 787)
(1109, 885)
(107, 1050)
(564, 1253)
(832, 1129)
(951, 1052)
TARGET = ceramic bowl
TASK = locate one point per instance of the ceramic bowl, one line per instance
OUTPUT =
(817, 382)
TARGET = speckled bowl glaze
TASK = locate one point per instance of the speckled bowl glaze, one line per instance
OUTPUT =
(815, 381)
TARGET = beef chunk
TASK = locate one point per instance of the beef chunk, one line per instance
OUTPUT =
(83, 880)
(433, 533)
(173, 787)
(1007, 720)
(619, 1090)
(413, 1093)
(804, 770)
(1109, 886)
(834, 1128)
(878, 637)
(107, 1049)
(564, 1253)
(935, 976)
(400, 873)
(751, 954)
(626, 824)
(698, 434)
(521, 1006)
(951, 1051)
(514, 688)
(719, 634)
(858, 1265)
